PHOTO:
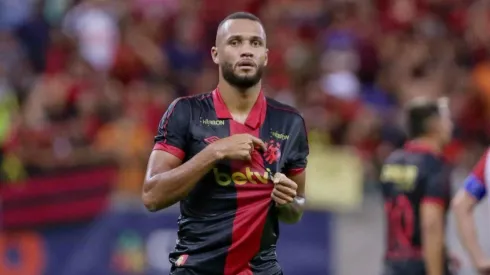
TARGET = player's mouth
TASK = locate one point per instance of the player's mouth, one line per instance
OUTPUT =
(246, 64)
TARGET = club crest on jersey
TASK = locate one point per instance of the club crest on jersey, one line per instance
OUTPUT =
(273, 152)
(181, 260)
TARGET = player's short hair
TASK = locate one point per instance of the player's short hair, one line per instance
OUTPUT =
(240, 15)
(419, 111)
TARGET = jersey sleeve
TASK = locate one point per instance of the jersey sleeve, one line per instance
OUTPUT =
(297, 160)
(437, 189)
(475, 184)
(173, 128)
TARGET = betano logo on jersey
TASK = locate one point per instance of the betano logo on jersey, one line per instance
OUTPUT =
(240, 178)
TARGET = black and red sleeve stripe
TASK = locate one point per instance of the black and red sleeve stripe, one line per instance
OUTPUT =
(173, 129)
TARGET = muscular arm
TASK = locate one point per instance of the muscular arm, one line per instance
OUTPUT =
(462, 206)
(168, 181)
(432, 216)
(291, 213)
(473, 191)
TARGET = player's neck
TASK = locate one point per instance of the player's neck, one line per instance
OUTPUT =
(239, 102)
(430, 142)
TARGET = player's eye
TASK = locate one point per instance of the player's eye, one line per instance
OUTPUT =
(256, 43)
(234, 42)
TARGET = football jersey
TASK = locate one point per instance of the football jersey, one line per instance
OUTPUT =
(228, 223)
(410, 177)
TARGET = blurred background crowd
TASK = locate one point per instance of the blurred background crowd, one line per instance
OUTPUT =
(84, 83)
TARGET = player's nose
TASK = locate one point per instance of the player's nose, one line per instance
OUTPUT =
(246, 51)
(246, 54)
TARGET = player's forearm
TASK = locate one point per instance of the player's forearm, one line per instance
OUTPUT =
(291, 213)
(433, 249)
(164, 189)
(467, 231)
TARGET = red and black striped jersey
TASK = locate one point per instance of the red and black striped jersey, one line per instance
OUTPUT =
(409, 178)
(228, 223)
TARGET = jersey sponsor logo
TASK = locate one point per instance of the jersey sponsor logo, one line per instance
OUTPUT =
(181, 260)
(210, 140)
(273, 153)
(403, 176)
(279, 136)
(241, 178)
(213, 122)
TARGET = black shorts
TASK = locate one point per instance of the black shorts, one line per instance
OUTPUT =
(408, 267)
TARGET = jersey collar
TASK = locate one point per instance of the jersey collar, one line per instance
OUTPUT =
(421, 147)
(256, 116)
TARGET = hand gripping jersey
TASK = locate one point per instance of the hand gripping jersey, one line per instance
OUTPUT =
(228, 223)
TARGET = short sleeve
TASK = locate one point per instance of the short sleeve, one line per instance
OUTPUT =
(296, 160)
(172, 129)
(437, 189)
(475, 183)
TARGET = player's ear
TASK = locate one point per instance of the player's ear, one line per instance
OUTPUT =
(214, 55)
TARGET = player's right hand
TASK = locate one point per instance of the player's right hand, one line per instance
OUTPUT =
(237, 147)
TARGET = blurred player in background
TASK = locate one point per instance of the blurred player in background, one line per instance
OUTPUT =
(416, 190)
(473, 191)
(234, 159)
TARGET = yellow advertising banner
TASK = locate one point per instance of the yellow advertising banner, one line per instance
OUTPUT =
(334, 178)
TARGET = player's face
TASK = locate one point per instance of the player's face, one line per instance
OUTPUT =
(241, 52)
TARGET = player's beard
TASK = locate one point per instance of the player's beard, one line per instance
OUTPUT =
(241, 82)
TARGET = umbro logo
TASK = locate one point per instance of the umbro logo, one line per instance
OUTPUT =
(212, 139)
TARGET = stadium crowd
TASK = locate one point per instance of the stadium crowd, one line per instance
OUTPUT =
(84, 83)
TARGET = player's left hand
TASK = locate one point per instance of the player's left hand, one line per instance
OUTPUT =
(284, 189)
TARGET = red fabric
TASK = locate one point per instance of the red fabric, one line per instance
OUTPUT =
(253, 204)
(179, 153)
(437, 201)
(256, 116)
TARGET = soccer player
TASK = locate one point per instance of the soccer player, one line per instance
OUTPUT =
(415, 184)
(235, 161)
(473, 191)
